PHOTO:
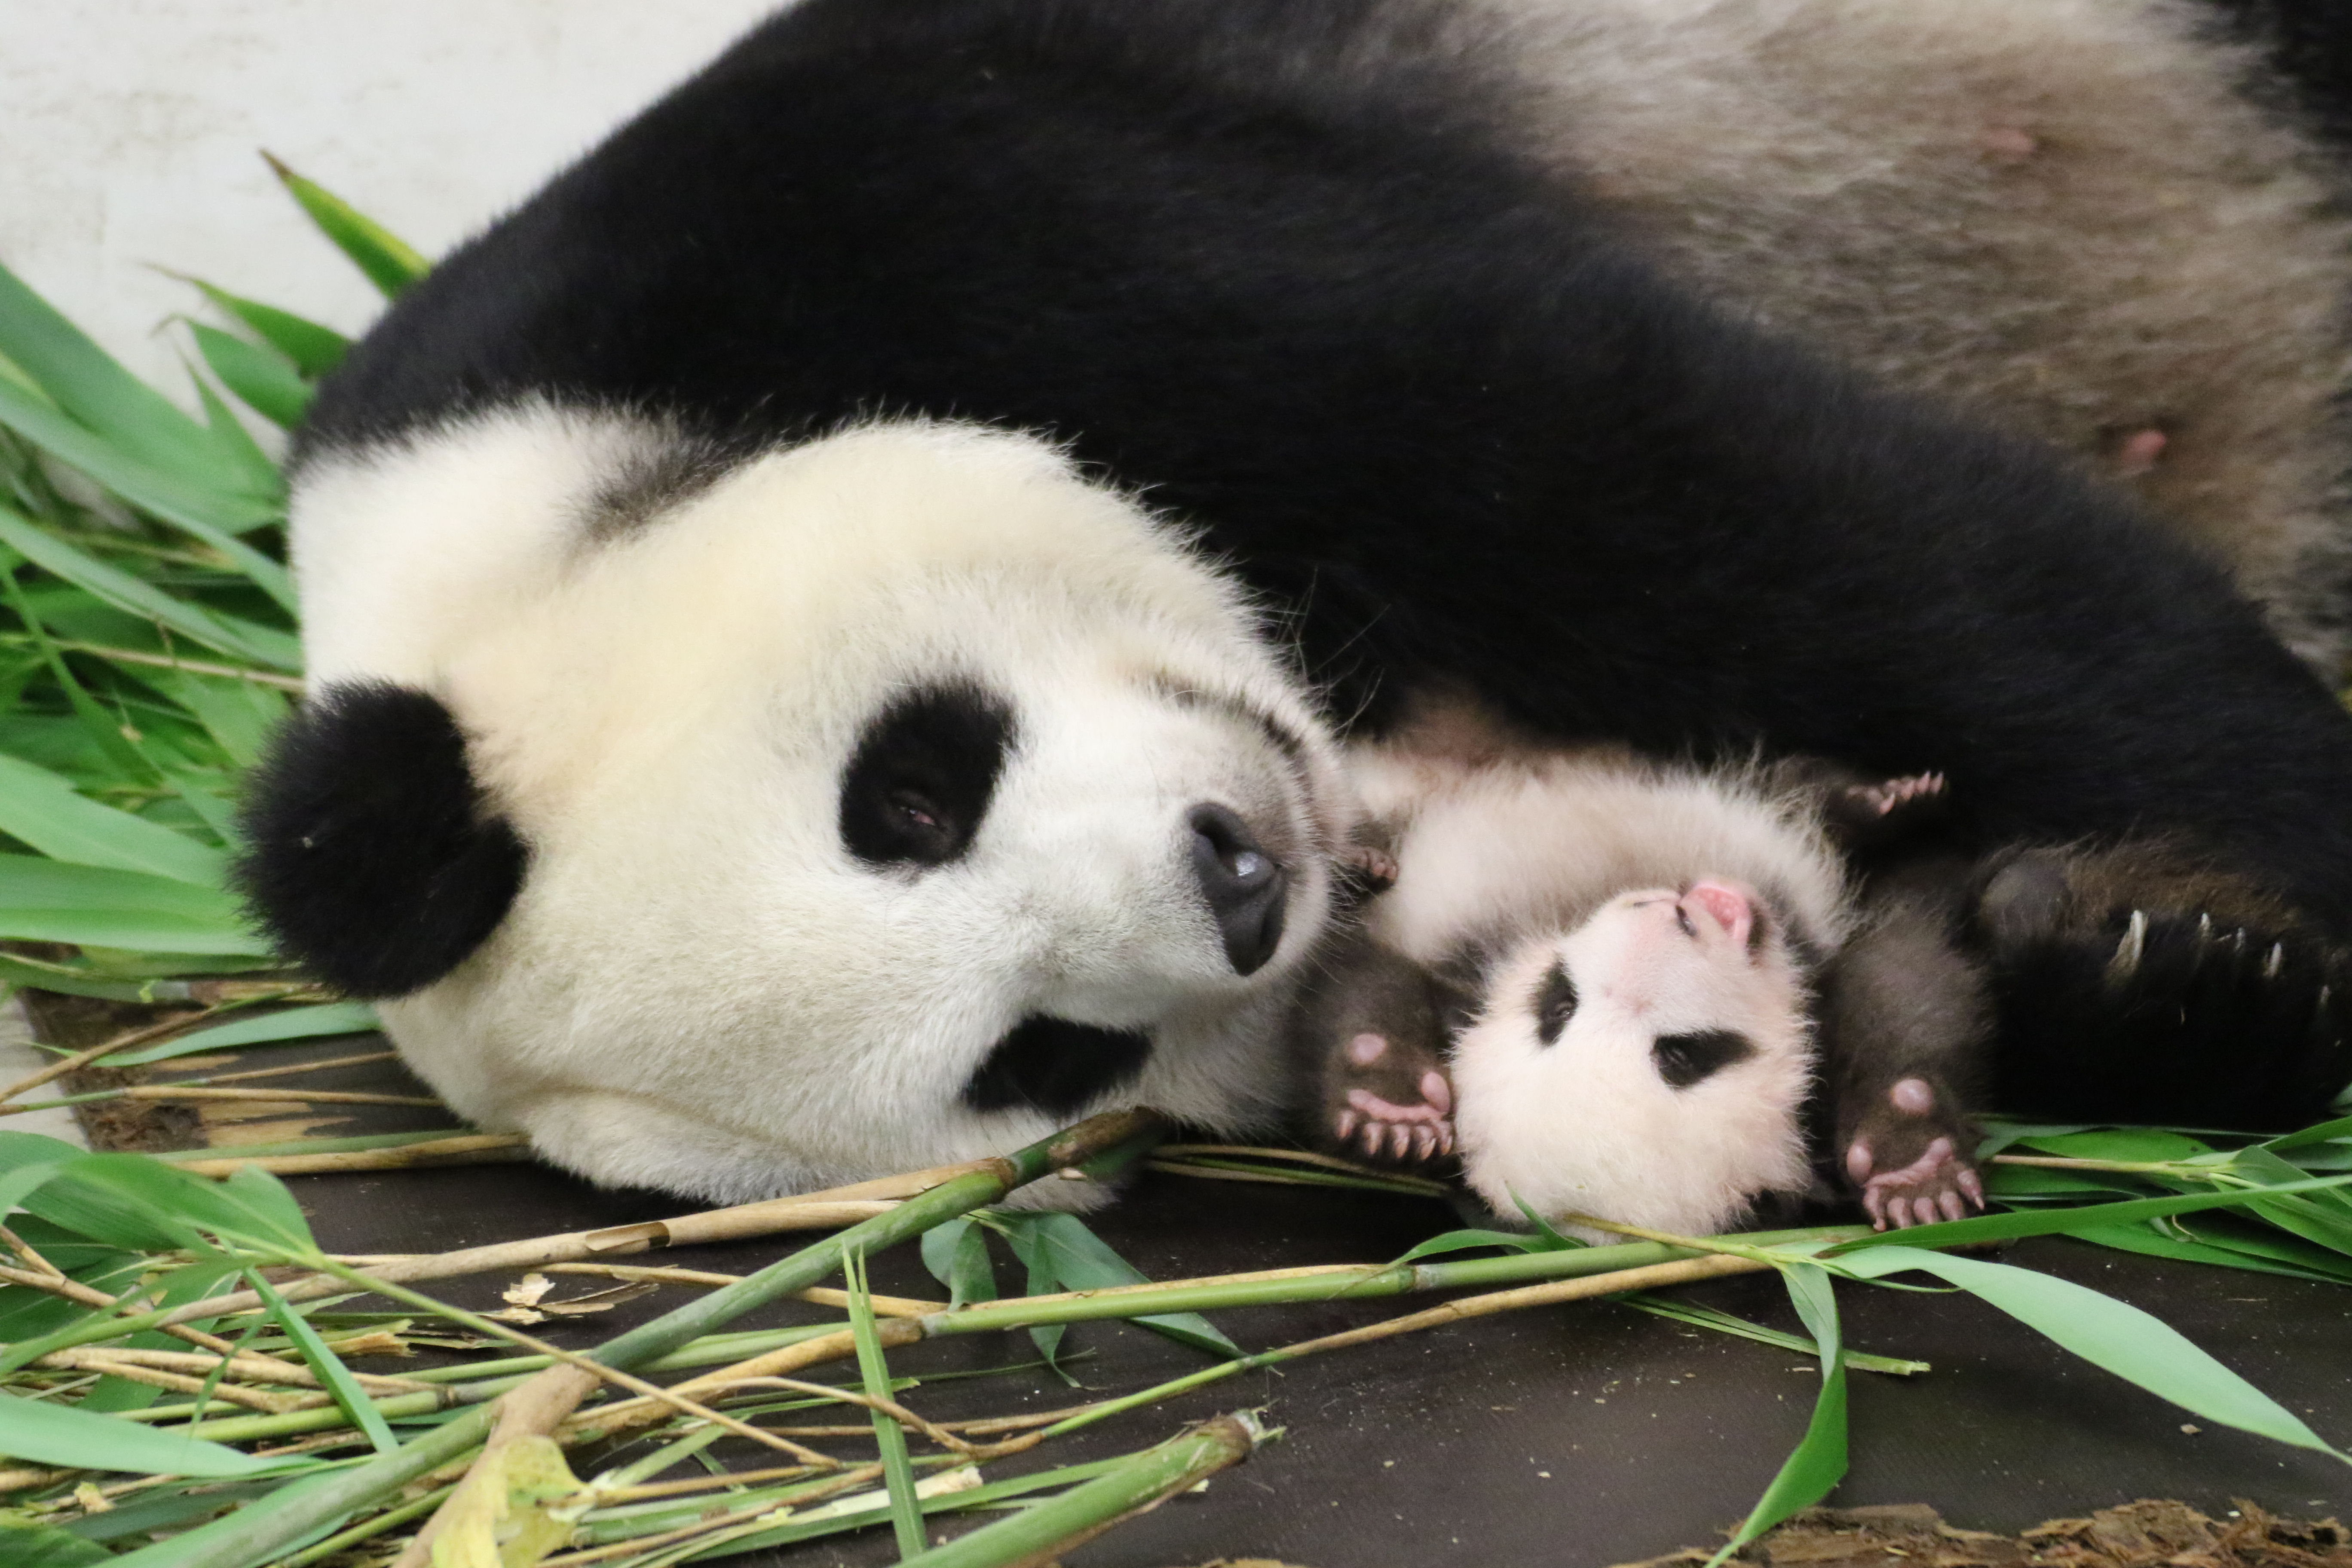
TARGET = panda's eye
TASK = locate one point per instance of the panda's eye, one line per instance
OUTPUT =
(919, 782)
(1685, 1060)
(1555, 1003)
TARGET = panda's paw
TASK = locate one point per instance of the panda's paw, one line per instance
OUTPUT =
(1907, 1155)
(2120, 997)
(1368, 870)
(1393, 1103)
(1890, 795)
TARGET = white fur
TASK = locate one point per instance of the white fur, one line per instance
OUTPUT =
(1586, 1125)
(1533, 857)
(698, 988)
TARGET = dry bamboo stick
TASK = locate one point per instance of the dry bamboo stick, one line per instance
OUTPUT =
(269, 1095)
(815, 1211)
(290, 1068)
(83, 1359)
(819, 1295)
(123, 1042)
(245, 1363)
(463, 1149)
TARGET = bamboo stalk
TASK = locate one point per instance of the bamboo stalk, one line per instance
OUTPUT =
(292, 1068)
(194, 667)
(122, 1042)
(247, 1364)
(1039, 1533)
(174, 1093)
(467, 1149)
(253, 1534)
(821, 1295)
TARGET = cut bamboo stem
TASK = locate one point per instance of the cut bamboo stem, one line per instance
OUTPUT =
(255, 1533)
(1044, 1530)
(467, 1149)
(64, 1065)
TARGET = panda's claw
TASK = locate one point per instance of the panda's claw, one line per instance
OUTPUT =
(1346, 1124)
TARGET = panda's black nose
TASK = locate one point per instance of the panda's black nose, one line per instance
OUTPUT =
(1244, 888)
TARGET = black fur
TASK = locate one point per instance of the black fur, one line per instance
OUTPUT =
(1555, 1004)
(920, 783)
(373, 859)
(1685, 1060)
(1417, 393)
(1058, 1067)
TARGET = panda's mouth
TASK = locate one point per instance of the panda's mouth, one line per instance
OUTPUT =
(1057, 1066)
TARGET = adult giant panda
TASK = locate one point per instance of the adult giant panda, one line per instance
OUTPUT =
(828, 624)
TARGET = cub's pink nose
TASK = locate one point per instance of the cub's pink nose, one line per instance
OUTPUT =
(1725, 905)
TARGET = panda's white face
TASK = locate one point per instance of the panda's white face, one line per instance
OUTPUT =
(890, 800)
(1648, 1066)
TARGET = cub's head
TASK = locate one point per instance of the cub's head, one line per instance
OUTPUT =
(1649, 1067)
(739, 825)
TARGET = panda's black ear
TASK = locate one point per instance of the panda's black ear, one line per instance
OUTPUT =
(372, 857)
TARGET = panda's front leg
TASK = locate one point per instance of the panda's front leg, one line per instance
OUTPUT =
(1372, 1038)
(1906, 1027)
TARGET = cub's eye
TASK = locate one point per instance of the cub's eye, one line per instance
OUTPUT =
(1555, 1003)
(915, 809)
(1685, 1060)
(919, 782)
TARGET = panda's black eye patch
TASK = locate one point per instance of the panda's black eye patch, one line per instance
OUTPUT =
(1684, 1059)
(922, 775)
(1555, 1003)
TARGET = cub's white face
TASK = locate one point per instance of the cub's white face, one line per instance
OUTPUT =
(1648, 1066)
(890, 800)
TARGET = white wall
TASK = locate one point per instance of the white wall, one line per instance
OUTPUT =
(129, 130)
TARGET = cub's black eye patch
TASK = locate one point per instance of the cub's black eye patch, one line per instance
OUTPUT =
(920, 780)
(1555, 1003)
(1057, 1066)
(1684, 1059)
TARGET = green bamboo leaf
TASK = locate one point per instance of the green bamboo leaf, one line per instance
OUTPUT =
(1819, 1462)
(238, 714)
(957, 1254)
(310, 1023)
(2064, 1221)
(2134, 1143)
(46, 1546)
(134, 932)
(87, 383)
(43, 810)
(239, 639)
(30, 883)
(2148, 1241)
(390, 264)
(340, 1385)
(315, 350)
(1469, 1240)
(236, 443)
(2252, 1238)
(890, 1437)
(2108, 1333)
(267, 381)
(41, 1433)
(1082, 1260)
(144, 1204)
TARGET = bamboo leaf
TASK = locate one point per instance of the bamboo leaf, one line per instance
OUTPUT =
(1468, 1240)
(45, 1546)
(890, 1437)
(265, 380)
(337, 1378)
(501, 1521)
(957, 1254)
(1082, 1260)
(315, 350)
(390, 264)
(2149, 1241)
(43, 810)
(261, 475)
(318, 1021)
(239, 639)
(86, 384)
(42, 1433)
(2108, 1333)
(1819, 1462)
(2137, 1143)
(2064, 1221)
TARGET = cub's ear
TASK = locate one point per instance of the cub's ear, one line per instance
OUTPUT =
(374, 858)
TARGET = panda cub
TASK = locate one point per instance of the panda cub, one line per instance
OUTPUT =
(1662, 985)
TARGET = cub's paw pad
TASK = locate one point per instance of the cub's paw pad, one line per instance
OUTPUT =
(1907, 1159)
(1367, 870)
(1389, 1109)
(1892, 795)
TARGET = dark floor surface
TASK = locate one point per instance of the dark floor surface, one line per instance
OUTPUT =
(1577, 1436)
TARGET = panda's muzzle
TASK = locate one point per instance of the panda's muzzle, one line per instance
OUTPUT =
(1246, 889)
